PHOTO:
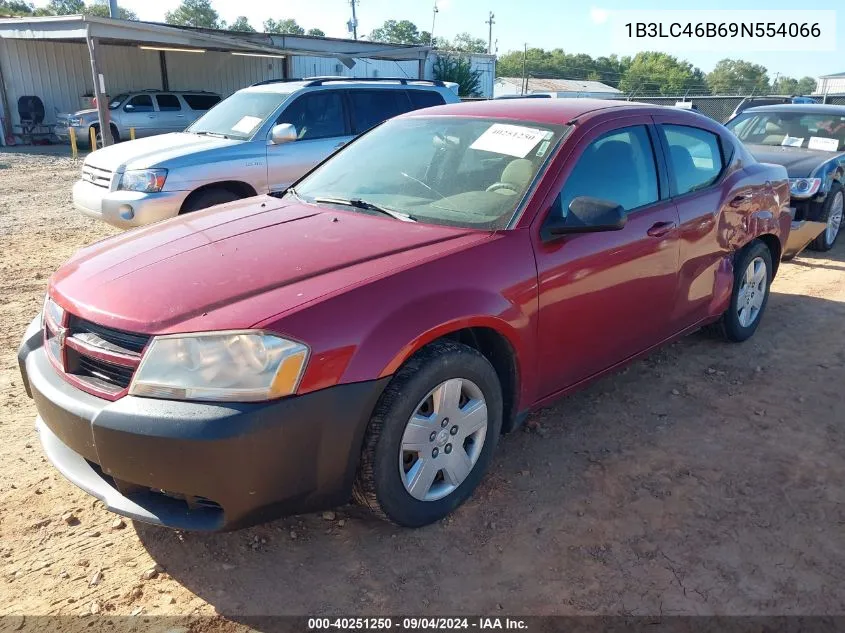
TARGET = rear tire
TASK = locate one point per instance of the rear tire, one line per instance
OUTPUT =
(832, 216)
(752, 280)
(208, 198)
(406, 438)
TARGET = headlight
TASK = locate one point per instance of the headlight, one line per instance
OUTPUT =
(144, 180)
(53, 312)
(804, 187)
(223, 366)
(74, 121)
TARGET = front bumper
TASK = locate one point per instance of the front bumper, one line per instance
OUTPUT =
(200, 466)
(126, 209)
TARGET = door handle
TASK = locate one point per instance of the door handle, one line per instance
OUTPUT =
(740, 198)
(661, 228)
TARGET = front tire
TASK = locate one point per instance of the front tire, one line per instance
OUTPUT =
(431, 437)
(208, 198)
(832, 216)
(752, 281)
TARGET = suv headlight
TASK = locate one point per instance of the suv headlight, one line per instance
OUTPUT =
(143, 180)
(804, 187)
(220, 366)
(74, 121)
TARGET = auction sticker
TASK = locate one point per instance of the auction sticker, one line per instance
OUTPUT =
(246, 125)
(512, 140)
(823, 143)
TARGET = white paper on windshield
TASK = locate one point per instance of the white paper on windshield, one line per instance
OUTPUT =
(512, 140)
(823, 143)
(792, 141)
(246, 125)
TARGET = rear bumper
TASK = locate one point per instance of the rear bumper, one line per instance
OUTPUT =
(200, 466)
(126, 209)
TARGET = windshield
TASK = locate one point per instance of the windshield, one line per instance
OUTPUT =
(454, 171)
(791, 129)
(114, 104)
(240, 115)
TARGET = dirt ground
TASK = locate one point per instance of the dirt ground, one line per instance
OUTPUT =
(706, 479)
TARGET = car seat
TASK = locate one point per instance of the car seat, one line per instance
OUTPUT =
(686, 174)
(518, 174)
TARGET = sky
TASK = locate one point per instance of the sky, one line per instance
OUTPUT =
(575, 26)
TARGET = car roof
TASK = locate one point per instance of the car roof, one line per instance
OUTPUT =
(554, 111)
(806, 108)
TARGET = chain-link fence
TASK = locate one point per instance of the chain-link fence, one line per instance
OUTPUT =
(721, 107)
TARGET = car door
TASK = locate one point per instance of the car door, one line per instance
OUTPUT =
(171, 115)
(322, 126)
(604, 297)
(139, 112)
(697, 160)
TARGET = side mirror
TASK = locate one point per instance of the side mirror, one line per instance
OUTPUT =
(283, 133)
(586, 215)
(129, 107)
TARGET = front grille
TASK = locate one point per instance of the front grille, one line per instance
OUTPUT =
(97, 358)
(126, 341)
(96, 176)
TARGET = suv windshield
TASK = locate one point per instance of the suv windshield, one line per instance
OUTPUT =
(791, 129)
(114, 104)
(240, 115)
(465, 172)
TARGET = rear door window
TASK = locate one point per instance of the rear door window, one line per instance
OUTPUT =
(140, 103)
(695, 156)
(371, 107)
(425, 98)
(201, 102)
(316, 115)
(168, 103)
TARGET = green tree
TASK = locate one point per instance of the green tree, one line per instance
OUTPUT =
(464, 43)
(651, 72)
(65, 7)
(194, 13)
(458, 69)
(401, 32)
(316, 32)
(16, 8)
(241, 24)
(806, 86)
(100, 8)
(737, 76)
(286, 27)
(558, 64)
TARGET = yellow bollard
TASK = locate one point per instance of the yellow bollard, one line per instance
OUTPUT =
(132, 134)
(92, 133)
(73, 149)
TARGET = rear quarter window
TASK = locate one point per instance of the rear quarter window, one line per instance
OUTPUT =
(425, 99)
(201, 102)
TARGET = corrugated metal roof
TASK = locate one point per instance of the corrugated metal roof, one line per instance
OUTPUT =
(560, 85)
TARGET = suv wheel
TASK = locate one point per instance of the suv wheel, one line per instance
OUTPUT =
(431, 436)
(208, 198)
(114, 134)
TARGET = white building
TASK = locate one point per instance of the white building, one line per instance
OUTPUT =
(559, 88)
(830, 84)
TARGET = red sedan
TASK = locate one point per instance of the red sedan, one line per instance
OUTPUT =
(372, 332)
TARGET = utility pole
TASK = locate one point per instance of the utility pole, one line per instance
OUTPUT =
(433, 18)
(524, 86)
(353, 23)
(490, 22)
(113, 12)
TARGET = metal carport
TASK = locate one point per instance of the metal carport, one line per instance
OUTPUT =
(62, 54)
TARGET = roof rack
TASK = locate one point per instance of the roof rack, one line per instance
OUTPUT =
(319, 81)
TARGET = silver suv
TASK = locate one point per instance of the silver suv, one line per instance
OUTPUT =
(259, 140)
(149, 112)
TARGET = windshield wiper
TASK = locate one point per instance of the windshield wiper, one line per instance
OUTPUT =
(358, 203)
(214, 134)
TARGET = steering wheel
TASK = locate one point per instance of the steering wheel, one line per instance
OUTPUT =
(496, 186)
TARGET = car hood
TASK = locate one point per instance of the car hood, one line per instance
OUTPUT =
(799, 162)
(154, 151)
(235, 265)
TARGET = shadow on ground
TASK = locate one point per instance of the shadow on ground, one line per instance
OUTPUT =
(703, 479)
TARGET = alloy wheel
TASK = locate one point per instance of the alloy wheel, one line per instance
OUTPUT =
(443, 439)
(834, 218)
(752, 292)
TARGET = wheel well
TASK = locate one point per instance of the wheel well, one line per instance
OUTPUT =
(498, 350)
(773, 244)
(240, 189)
